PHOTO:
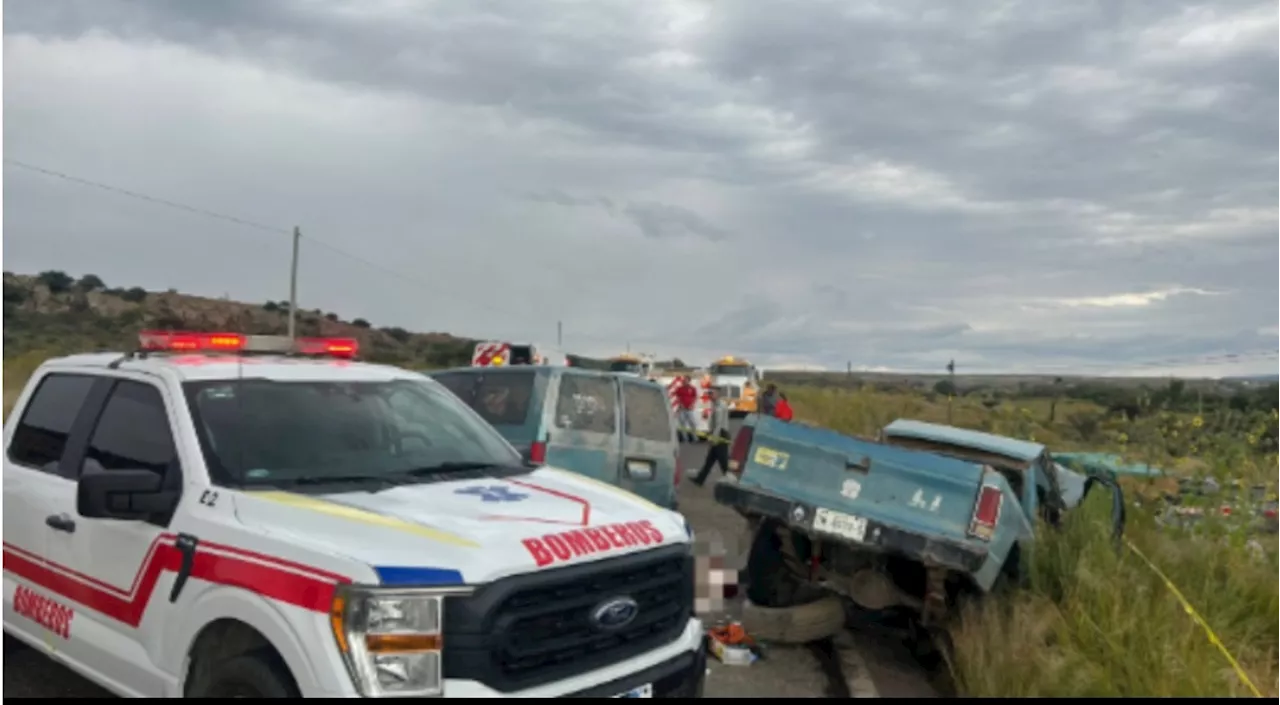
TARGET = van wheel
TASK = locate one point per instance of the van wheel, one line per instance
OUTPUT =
(255, 675)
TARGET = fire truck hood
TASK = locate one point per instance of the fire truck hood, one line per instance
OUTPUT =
(476, 530)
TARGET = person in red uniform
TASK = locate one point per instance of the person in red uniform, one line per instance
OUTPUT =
(782, 409)
(686, 397)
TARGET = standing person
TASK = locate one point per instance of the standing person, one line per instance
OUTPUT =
(769, 400)
(686, 397)
(782, 409)
(717, 441)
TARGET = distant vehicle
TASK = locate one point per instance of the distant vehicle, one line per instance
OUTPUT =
(739, 383)
(635, 365)
(611, 428)
(499, 354)
(910, 521)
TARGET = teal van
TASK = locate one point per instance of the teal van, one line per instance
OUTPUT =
(612, 428)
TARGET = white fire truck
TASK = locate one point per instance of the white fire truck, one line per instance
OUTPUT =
(222, 515)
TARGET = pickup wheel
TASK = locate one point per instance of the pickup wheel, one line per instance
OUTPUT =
(779, 607)
(799, 624)
(255, 675)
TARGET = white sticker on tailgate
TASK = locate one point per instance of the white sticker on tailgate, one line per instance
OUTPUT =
(838, 524)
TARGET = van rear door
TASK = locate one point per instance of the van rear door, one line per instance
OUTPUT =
(583, 434)
(649, 447)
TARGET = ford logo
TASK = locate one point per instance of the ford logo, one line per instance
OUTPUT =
(615, 613)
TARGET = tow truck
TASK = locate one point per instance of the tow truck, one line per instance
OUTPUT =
(738, 382)
(226, 515)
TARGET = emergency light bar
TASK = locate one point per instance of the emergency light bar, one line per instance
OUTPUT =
(176, 341)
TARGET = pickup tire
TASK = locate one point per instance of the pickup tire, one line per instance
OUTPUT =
(779, 608)
(800, 624)
(252, 675)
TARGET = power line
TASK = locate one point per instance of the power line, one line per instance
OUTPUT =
(196, 210)
(1200, 360)
(153, 199)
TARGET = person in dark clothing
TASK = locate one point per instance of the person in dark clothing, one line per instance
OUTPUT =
(769, 400)
(717, 441)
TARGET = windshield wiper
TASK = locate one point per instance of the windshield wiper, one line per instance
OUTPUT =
(456, 466)
(336, 480)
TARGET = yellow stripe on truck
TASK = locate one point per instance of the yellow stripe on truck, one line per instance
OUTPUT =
(364, 517)
(602, 485)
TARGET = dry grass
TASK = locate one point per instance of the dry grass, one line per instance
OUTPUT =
(1093, 620)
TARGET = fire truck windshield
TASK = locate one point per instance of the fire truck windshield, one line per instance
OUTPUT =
(731, 370)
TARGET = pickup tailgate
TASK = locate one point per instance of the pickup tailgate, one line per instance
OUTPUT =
(920, 493)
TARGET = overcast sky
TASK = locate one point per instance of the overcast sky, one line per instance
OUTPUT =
(1034, 186)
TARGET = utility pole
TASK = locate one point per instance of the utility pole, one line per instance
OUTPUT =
(293, 285)
(951, 373)
(560, 334)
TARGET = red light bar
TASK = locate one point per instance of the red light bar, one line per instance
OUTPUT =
(190, 342)
(181, 341)
(333, 347)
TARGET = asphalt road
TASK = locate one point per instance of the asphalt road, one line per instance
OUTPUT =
(874, 664)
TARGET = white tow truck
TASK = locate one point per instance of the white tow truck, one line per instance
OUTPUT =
(220, 515)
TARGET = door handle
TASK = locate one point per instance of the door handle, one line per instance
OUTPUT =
(61, 522)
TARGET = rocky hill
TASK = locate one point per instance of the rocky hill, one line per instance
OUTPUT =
(53, 313)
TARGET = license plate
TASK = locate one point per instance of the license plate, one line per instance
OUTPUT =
(644, 691)
(838, 524)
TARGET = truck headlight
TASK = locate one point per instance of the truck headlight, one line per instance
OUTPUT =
(391, 639)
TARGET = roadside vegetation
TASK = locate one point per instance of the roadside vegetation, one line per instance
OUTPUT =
(1095, 619)
(1091, 621)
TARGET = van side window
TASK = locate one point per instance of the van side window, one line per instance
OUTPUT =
(647, 413)
(133, 431)
(587, 403)
(42, 433)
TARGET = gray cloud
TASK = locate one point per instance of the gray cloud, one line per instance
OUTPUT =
(655, 220)
(896, 183)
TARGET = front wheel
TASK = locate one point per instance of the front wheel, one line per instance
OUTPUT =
(245, 676)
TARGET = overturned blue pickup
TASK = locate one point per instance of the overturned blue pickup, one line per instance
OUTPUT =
(912, 519)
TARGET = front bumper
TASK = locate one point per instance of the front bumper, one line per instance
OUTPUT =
(743, 406)
(681, 677)
(676, 670)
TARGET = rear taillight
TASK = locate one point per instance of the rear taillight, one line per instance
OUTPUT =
(986, 512)
(679, 475)
(538, 452)
(738, 451)
(1269, 513)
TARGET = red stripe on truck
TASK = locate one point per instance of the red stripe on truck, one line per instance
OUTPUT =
(268, 576)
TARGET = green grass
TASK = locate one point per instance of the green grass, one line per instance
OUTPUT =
(1093, 620)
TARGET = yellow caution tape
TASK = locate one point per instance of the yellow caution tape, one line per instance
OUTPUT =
(1195, 616)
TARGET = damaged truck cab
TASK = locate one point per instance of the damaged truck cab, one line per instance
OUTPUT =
(912, 520)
